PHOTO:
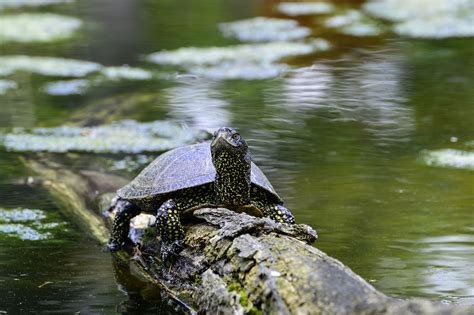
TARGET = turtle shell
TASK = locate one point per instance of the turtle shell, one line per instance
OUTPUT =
(181, 168)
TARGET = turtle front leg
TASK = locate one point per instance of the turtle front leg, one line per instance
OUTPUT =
(278, 213)
(125, 211)
(171, 231)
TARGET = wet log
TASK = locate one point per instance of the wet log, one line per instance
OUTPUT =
(232, 263)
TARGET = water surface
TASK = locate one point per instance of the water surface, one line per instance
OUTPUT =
(339, 136)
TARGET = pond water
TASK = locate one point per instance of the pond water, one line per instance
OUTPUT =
(341, 132)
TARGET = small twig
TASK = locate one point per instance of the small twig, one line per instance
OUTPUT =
(45, 283)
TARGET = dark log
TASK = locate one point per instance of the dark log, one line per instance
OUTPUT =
(232, 263)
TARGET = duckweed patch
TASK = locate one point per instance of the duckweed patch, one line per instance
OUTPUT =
(426, 19)
(248, 61)
(48, 66)
(125, 136)
(37, 27)
(305, 8)
(449, 158)
(26, 224)
(269, 29)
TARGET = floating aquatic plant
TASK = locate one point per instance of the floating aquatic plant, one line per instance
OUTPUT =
(126, 73)
(21, 215)
(426, 18)
(36, 27)
(80, 86)
(263, 29)
(305, 8)
(243, 71)
(126, 136)
(224, 62)
(6, 85)
(47, 66)
(449, 158)
(402, 10)
(29, 3)
(69, 87)
(25, 224)
(440, 27)
(256, 53)
(23, 232)
(353, 22)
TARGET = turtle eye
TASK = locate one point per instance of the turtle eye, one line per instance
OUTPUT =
(235, 136)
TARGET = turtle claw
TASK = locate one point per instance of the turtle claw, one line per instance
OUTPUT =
(170, 250)
(115, 246)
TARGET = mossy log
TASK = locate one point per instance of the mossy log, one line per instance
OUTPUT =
(232, 263)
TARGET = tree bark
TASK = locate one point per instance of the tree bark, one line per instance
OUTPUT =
(232, 263)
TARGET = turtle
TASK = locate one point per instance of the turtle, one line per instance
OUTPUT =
(216, 173)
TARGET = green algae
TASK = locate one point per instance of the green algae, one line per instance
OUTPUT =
(304, 8)
(244, 300)
(48, 66)
(37, 27)
(269, 29)
(125, 136)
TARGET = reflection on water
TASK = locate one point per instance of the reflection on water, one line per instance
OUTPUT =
(198, 103)
(339, 133)
(66, 274)
(307, 88)
(371, 91)
(450, 268)
(142, 296)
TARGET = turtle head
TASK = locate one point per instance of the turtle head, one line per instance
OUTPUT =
(228, 140)
(232, 162)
